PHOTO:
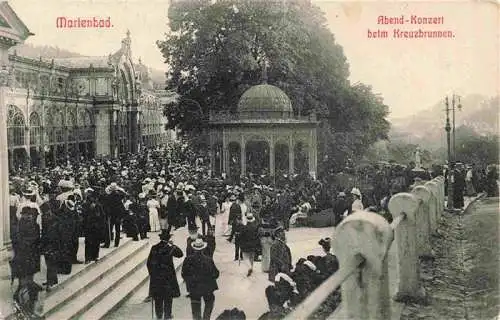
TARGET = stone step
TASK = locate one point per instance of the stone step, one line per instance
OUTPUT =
(83, 280)
(115, 274)
(67, 282)
(108, 260)
(123, 292)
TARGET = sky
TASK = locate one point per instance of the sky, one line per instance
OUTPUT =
(410, 74)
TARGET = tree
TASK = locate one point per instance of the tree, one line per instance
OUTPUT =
(216, 52)
(481, 150)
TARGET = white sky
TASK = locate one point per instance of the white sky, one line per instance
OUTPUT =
(410, 74)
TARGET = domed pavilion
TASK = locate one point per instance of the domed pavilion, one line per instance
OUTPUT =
(264, 136)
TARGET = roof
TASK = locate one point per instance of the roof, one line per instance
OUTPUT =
(265, 99)
(11, 25)
(83, 62)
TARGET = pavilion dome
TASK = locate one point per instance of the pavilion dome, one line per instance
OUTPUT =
(265, 100)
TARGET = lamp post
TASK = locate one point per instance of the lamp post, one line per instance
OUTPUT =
(455, 104)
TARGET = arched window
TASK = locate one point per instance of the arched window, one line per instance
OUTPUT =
(15, 127)
(35, 129)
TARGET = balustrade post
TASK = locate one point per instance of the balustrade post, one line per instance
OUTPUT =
(410, 288)
(365, 294)
(440, 211)
(433, 205)
(423, 222)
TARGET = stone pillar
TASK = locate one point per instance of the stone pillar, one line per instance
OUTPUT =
(4, 167)
(243, 157)
(291, 156)
(365, 294)
(42, 146)
(410, 288)
(271, 157)
(112, 134)
(134, 132)
(423, 222)
(27, 145)
(433, 206)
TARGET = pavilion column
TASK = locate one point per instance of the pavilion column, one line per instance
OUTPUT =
(312, 154)
(225, 155)
(291, 156)
(243, 157)
(134, 132)
(271, 157)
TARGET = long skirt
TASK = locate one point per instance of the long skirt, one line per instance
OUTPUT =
(154, 221)
(266, 243)
(470, 188)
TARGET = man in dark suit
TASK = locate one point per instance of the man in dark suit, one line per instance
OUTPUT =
(200, 274)
(163, 281)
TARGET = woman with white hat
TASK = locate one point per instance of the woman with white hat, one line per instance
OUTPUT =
(357, 204)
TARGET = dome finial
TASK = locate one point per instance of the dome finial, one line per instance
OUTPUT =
(265, 65)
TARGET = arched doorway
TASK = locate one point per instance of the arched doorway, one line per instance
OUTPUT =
(301, 158)
(257, 157)
(281, 156)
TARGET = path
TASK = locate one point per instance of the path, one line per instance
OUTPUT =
(462, 282)
(235, 289)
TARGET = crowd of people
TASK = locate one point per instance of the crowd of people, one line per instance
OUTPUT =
(171, 187)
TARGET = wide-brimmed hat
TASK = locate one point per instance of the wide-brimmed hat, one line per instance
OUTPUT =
(341, 194)
(232, 197)
(198, 244)
(325, 242)
(70, 204)
(165, 236)
(28, 192)
(250, 217)
(356, 192)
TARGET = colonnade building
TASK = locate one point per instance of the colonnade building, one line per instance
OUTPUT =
(80, 107)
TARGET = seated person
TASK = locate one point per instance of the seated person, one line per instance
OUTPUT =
(282, 295)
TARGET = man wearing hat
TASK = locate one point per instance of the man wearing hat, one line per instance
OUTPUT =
(193, 235)
(340, 207)
(200, 274)
(249, 240)
(163, 280)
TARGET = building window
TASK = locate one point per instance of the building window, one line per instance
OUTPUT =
(15, 127)
(35, 129)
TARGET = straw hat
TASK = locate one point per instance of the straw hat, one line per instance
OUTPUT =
(198, 244)
(250, 217)
(356, 192)
(70, 204)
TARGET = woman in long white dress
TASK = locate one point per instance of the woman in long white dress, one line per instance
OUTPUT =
(154, 219)
(357, 204)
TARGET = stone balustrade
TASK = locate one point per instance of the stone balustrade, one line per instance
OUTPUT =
(362, 242)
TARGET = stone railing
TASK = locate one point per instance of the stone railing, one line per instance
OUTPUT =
(362, 242)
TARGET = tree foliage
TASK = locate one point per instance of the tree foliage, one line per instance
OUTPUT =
(474, 148)
(216, 52)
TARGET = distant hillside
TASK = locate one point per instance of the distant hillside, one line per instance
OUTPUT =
(46, 52)
(426, 128)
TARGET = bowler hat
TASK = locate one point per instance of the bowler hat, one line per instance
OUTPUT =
(165, 236)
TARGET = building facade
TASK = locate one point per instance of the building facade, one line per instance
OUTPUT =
(81, 108)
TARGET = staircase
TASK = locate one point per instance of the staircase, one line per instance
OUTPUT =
(102, 286)
(92, 291)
